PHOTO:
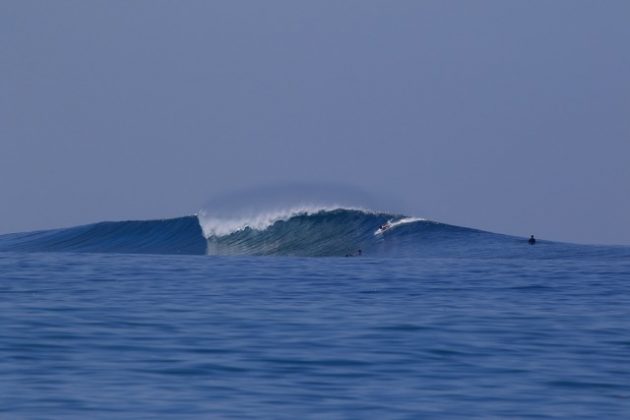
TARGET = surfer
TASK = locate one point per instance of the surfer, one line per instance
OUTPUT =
(532, 240)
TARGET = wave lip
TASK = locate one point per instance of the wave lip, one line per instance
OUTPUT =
(216, 226)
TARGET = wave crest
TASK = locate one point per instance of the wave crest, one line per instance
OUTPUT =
(218, 226)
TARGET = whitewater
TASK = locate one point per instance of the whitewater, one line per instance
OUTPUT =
(262, 315)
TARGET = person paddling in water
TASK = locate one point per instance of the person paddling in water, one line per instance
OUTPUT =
(357, 254)
(532, 240)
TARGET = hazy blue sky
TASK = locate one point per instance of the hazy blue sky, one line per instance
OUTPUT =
(511, 116)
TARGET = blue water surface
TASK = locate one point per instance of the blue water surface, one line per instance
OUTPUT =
(182, 336)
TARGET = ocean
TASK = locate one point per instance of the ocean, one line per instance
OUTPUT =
(283, 317)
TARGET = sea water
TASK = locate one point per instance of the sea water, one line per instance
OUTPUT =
(156, 319)
(145, 336)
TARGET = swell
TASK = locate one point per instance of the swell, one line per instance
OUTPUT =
(169, 236)
(310, 232)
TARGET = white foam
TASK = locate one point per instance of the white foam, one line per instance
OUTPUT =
(223, 226)
(392, 224)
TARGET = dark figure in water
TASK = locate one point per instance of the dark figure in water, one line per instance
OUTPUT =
(532, 240)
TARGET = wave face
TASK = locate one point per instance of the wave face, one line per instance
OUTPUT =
(171, 236)
(301, 232)
(297, 233)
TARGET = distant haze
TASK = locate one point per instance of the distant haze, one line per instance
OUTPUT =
(509, 116)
